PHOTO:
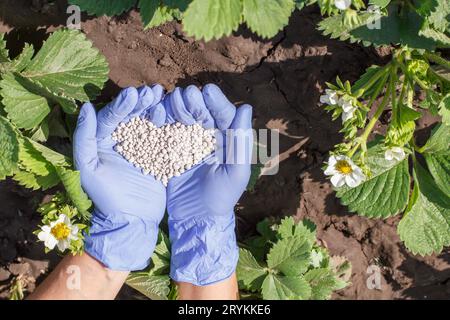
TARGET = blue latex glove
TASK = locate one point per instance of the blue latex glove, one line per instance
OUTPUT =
(128, 205)
(201, 201)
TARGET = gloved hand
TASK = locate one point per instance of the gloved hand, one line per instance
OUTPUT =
(201, 201)
(128, 205)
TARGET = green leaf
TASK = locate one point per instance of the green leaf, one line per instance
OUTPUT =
(153, 287)
(384, 193)
(9, 146)
(395, 29)
(439, 140)
(364, 80)
(32, 160)
(285, 288)
(24, 59)
(291, 256)
(444, 109)
(68, 66)
(300, 4)
(439, 165)
(249, 272)
(55, 158)
(25, 109)
(289, 228)
(104, 7)
(267, 17)
(323, 282)
(4, 54)
(26, 179)
(380, 3)
(154, 14)
(212, 19)
(72, 184)
(161, 256)
(400, 134)
(35, 182)
(254, 176)
(425, 227)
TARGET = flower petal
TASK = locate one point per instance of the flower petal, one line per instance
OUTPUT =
(337, 180)
(50, 242)
(352, 180)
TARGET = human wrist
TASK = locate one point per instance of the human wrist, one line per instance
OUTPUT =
(124, 244)
(204, 249)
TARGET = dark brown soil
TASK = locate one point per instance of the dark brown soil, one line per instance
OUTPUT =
(282, 78)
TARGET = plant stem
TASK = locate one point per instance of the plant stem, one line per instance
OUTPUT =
(375, 77)
(372, 122)
(437, 59)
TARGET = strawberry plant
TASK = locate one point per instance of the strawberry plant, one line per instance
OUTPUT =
(283, 262)
(264, 17)
(39, 94)
(373, 176)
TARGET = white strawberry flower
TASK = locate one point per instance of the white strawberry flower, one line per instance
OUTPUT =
(343, 171)
(59, 233)
(348, 109)
(343, 4)
(330, 97)
(394, 153)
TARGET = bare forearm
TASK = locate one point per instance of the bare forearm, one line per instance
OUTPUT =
(80, 277)
(224, 290)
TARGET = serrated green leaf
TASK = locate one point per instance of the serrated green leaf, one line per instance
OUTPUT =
(9, 148)
(384, 193)
(250, 273)
(380, 3)
(439, 140)
(72, 183)
(323, 282)
(425, 227)
(300, 4)
(335, 27)
(400, 134)
(154, 14)
(212, 19)
(32, 160)
(439, 166)
(25, 109)
(267, 17)
(35, 182)
(153, 287)
(291, 256)
(395, 29)
(289, 228)
(285, 288)
(444, 110)
(24, 59)
(68, 66)
(161, 256)
(4, 54)
(55, 158)
(104, 7)
(41, 133)
(26, 179)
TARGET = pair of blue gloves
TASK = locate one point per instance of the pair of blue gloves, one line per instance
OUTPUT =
(129, 205)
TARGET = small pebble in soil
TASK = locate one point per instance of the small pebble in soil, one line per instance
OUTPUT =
(163, 152)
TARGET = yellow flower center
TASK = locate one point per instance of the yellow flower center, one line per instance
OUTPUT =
(343, 167)
(60, 231)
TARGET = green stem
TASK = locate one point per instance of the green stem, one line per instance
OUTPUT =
(375, 77)
(412, 78)
(437, 59)
(363, 138)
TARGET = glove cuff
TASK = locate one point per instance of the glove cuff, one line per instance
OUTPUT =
(204, 249)
(124, 245)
